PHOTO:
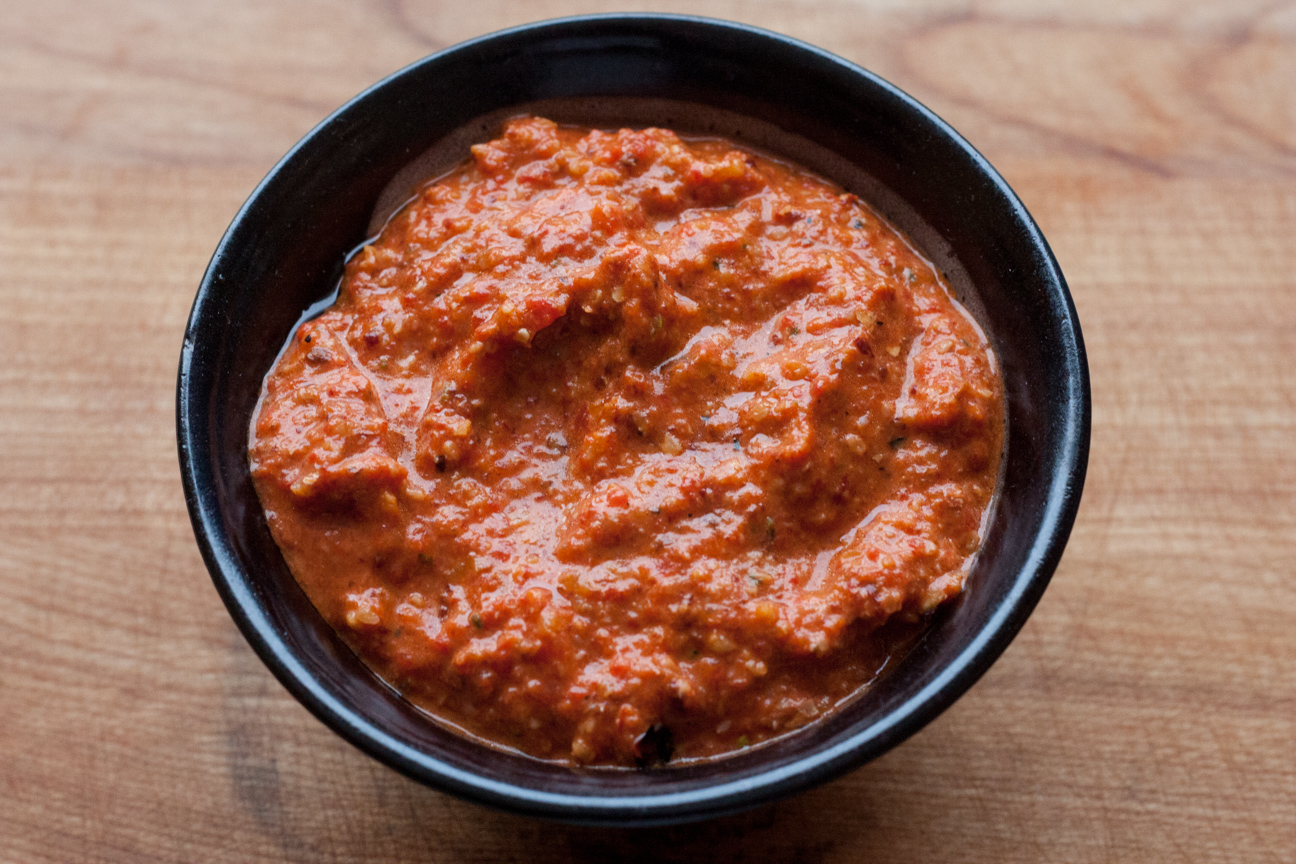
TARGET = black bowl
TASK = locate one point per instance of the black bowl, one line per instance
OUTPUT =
(284, 251)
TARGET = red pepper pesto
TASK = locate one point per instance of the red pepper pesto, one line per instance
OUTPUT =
(615, 444)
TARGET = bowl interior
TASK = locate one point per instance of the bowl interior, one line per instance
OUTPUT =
(285, 249)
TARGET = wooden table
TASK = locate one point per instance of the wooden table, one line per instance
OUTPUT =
(1146, 713)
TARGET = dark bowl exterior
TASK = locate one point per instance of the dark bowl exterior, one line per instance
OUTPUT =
(284, 250)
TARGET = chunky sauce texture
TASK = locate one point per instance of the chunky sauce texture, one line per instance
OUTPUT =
(616, 446)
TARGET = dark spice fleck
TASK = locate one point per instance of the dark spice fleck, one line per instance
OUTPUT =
(654, 747)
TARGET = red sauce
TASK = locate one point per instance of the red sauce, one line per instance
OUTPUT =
(616, 445)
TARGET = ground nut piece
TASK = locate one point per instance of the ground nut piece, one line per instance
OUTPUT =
(365, 609)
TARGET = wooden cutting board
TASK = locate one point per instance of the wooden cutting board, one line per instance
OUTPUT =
(1146, 713)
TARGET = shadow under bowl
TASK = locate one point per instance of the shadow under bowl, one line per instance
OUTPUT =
(284, 251)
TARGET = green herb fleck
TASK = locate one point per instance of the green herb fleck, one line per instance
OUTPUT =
(794, 331)
(858, 223)
(744, 742)
(715, 263)
(896, 442)
(476, 621)
(657, 323)
(425, 559)
(769, 527)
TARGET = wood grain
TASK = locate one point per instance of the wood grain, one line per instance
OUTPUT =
(1146, 713)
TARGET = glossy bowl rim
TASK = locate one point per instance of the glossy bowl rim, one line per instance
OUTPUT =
(722, 797)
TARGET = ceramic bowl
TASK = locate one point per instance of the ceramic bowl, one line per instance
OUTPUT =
(284, 252)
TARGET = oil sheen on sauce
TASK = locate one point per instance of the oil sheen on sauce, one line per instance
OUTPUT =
(618, 448)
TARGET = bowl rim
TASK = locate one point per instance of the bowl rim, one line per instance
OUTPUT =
(726, 796)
